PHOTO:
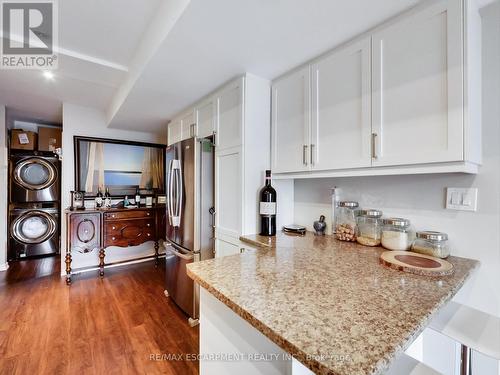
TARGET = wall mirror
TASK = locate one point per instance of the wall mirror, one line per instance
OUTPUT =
(122, 166)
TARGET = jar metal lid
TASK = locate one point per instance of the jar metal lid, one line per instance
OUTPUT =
(371, 213)
(350, 204)
(397, 222)
(431, 235)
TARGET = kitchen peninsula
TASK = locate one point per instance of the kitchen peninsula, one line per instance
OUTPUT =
(330, 305)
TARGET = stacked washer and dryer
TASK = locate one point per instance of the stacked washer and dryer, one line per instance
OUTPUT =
(34, 204)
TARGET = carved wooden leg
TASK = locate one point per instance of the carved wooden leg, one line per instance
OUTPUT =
(157, 246)
(68, 268)
(101, 262)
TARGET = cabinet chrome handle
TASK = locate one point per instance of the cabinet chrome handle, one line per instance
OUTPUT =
(148, 225)
(114, 227)
(312, 154)
(374, 145)
(147, 214)
(149, 234)
(304, 154)
(113, 238)
(113, 215)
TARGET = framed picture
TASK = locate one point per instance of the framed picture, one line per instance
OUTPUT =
(121, 166)
(161, 199)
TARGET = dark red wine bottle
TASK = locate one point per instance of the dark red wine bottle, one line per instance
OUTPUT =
(268, 208)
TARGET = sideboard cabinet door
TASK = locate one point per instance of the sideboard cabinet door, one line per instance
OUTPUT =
(85, 232)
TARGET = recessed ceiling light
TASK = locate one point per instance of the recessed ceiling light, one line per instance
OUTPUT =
(48, 75)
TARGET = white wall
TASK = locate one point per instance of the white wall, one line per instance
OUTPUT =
(422, 198)
(3, 191)
(84, 121)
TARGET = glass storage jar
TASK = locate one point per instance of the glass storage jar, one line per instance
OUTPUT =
(432, 243)
(345, 223)
(369, 227)
(397, 234)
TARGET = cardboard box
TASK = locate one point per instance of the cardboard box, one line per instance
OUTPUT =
(49, 138)
(22, 140)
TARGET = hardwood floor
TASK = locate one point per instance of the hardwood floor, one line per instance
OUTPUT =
(25, 270)
(111, 326)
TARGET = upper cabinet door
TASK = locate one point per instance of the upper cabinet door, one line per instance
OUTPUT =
(291, 102)
(205, 118)
(174, 132)
(229, 120)
(341, 109)
(188, 125)
(418, 88)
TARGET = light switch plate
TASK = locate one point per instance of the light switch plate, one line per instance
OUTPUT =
(463, 199)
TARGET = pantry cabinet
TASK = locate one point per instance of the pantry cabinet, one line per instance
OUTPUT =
(188, 125)
(239, 113)
(174, 131)
(229, 104)
(418, 88)
(404, 98)
(291, 106)
(228, 192)
(341, 103)
(205, 118)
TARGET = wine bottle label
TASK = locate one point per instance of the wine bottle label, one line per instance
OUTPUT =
(268, 208)
(98, 201)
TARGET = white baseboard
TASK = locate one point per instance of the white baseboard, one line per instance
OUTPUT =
(113, 265)
(4, 267)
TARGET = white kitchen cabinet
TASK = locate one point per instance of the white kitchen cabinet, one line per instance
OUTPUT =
(418, 88)
(174, 132)
(224, 248)
(404, 98)
(229, 104)
(205, 118)
(341, 106)
(291, 103)
(188, 125)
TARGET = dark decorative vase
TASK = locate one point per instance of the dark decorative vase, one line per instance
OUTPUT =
(320, 226)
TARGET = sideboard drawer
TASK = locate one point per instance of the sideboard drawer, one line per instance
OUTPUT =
(132, 214)
(118, 226)
(128, 232)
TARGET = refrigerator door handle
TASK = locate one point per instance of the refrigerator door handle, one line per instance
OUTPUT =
(174, 251)
(176, 214)
(169, 192)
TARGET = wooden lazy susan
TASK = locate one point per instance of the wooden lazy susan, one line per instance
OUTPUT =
(419, 264)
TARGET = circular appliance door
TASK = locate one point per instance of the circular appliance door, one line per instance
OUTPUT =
(33, 227)
(35, 173)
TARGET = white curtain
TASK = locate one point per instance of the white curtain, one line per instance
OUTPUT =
(95, 161)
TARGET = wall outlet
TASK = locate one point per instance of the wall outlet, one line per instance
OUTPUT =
(463, 199)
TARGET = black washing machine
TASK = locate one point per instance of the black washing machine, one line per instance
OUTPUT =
(33, 232)
(34, 178)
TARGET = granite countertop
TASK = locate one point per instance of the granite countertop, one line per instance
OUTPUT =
(328, 303)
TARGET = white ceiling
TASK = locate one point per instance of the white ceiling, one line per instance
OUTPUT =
(97, 40)
(217, 40)
(104, 64)
(109, 30)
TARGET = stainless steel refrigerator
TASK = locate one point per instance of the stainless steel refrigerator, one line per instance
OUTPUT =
(190, 217)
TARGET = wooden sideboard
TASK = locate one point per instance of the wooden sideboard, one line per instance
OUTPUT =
(92, 230)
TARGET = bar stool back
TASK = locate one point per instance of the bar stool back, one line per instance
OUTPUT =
(473, 329)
